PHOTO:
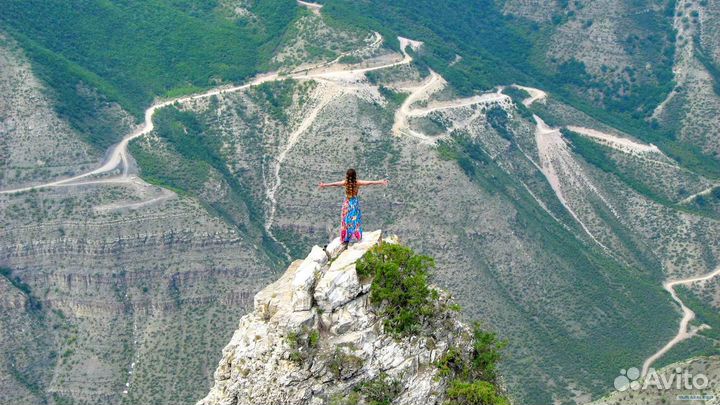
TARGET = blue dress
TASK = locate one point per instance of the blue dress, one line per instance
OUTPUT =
(351, 221)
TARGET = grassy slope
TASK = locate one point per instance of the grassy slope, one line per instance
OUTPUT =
(498, 49)
(163, 47)
(600, 283)
(197, 159)
(132, 51)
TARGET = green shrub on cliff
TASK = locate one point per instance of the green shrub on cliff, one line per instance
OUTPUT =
(474, 377)
(399, 286)
(400, 289)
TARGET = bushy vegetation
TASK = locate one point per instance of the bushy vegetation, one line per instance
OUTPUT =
(195, 156)
(497, 117)
(704, 313)
(517, 95)
(132, 51)
(193, 141)
(603, 281)
(474, 393)
(381, 390)
(343, 365)
(395, 98)
(482, 362)
(473, 378)
(275, 97)
(303, 345)
(399, 286)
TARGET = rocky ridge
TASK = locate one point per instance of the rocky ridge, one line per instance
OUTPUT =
(314, 338)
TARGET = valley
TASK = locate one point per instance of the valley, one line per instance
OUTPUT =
(130, 260)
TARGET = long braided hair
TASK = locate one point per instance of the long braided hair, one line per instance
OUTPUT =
(351, 187)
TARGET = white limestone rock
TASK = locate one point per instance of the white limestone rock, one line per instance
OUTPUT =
(267, 302)
(334, 248)
(305, 278)
(262, 365)
(337, 287)
(340, 283)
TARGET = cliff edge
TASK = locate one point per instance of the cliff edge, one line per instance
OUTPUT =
(319, 336)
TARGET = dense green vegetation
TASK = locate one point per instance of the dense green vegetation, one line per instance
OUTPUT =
(476, 30)
(275, 97)
(704, 313)
(473, 379)
(395, 98)
(498, 119)
(133, 51)
(199, 149)
(604, 283)
(303, 345)
(382, 390)
(501, 50)
(517, 95)
(399, 286)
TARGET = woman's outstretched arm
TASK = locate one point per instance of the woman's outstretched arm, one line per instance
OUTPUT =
(336, 184)
(372, 182)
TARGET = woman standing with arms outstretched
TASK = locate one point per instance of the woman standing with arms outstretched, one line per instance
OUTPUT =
(351, 219)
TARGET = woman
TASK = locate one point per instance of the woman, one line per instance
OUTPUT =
(351, 220)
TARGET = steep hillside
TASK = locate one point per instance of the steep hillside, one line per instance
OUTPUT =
(36, 144)
(130, 52)
(610, 59)
(500, 163)
(692, 107)
(105, 287)
(556, 213)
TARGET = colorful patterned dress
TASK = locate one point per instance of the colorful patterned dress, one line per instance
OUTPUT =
(351, 220)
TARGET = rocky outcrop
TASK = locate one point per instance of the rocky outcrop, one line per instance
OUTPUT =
(315, 338)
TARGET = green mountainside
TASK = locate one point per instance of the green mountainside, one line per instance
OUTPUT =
(128, 281)
(133, 51)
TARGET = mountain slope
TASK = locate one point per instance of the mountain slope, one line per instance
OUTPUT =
(548, 223)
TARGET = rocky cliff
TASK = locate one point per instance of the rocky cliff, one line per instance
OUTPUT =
(316, 338)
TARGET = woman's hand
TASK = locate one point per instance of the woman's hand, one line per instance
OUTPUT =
(321, 185)
(385, 182)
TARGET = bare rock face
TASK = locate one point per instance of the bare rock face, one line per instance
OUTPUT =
(314, 338)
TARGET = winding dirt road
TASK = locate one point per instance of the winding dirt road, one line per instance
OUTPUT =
(685, 331)
(548, 141)
(314, 7)
(535, 95)
(117, 155)
(332, 77)
(433, 83)
(616, 142)
(703, 193)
